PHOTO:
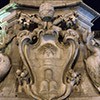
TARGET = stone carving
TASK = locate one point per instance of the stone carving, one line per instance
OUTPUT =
(46, 11)
(48, 53)
(93, 61)
(4, 66)
(48, 87)
(23, 80)
(51, 48)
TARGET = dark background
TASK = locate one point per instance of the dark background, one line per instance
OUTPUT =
(95, 4)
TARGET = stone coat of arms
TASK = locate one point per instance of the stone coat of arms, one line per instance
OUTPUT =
(49, 46)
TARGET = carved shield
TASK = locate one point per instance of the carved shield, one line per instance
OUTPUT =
(47, 60)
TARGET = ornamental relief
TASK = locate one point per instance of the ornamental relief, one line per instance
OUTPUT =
(49, 47)
(48, 59)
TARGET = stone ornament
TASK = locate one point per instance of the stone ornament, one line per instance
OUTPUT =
(52, 49)
(46, 10)
(93, 68)
(5, 66)
(48, 56)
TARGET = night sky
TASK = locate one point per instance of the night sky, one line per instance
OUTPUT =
(95, 4)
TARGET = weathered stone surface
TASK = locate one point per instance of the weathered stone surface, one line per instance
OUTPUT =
(53, 2)
(52, 51)
(75, 98)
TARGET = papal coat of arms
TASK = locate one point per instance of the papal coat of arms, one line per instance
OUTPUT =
(48, 47)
